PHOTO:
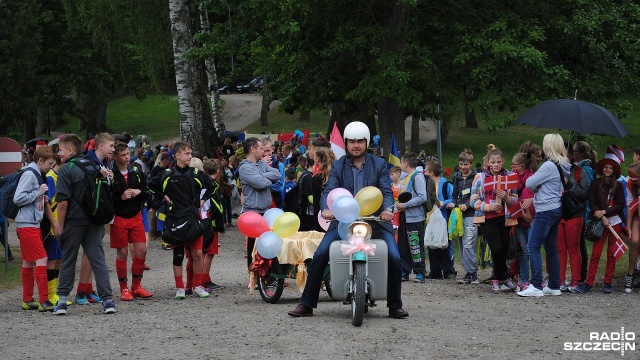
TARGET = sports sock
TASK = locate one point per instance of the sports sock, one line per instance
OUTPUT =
(137, 269)
(190, 273)
(53, 285)
(197, 280)
(27, 284)
(62, 300)
(82, 288)
(89, 287)
(52, 274)
(42, 283)
(179, 282)
(206, 278)
(121, 272)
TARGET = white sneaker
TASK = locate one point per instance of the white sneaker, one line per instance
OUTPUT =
(531, 291)
(549, 291)
(180, 294)
(201, 292)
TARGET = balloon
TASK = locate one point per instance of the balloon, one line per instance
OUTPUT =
(346, 209)
(252, 224)
(342, 230)
(271, 215)
(335, 194)
(286, 224)
(323, 223)
(370, 199)
(269, 245)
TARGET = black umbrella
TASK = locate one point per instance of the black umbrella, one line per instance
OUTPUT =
(573, 115)
(37, 141)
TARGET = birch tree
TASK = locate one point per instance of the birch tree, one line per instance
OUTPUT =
(196, 123)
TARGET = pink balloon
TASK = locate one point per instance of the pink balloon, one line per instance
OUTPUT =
(335, 194)
(323, 223)
(252, 224)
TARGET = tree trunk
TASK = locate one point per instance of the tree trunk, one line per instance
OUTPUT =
(305, 116)
(29, 126)
(42, 119)
(196, 122)
(394, 116)
(264, 111)
(415, 134)
(212, 76)
(470, 119)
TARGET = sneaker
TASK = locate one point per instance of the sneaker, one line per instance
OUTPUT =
(140, 292)
(582, 288)
(180, 294)
(531, 291)
(125, 295)
(508, 285)
(405, 277)
(474, 279)
(551, 292)
(46, 306)
(572, 287)
(495, 286)
(93, 298)
(563, 288)
(201, 292)
(188, 292)
(81, 299)
(451, 275)
(524, 286)
(628, 284)
(213, 286)
(30, 305)
(165, 246)
(60, 309)
(419, 279)
(465, 280)
(607, 289)
(109, 307)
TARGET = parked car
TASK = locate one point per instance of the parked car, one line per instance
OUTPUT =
(233, 87)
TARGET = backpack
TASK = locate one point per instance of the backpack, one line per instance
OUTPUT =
(293, 198)
(8, 186)
(431, 193)
(445, 186)
(571, 207)
(97, 198)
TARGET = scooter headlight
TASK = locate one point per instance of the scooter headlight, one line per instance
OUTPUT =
(359, 229)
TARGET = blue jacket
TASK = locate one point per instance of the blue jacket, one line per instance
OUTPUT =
(375, 173)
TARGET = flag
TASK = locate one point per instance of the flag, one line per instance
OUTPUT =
(515, 210)
(394, 155)
(509, 182)
(337, 142)
(620, 247)
(490, 183)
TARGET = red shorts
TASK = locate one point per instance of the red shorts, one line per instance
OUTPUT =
(194, 245)
(31, 243)
(124, 231)
(213, 248)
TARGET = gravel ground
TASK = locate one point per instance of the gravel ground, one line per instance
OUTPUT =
(446, 321)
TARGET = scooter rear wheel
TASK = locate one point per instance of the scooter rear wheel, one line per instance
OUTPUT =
(270, 287)
(359, 298)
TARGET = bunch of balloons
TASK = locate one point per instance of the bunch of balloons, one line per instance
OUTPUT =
(346, 208)
(269, 229)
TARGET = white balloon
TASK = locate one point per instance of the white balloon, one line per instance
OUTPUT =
(269, 245)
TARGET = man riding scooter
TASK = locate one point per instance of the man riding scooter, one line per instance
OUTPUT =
(353, 172)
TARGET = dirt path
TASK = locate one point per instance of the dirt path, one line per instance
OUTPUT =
(447, 321)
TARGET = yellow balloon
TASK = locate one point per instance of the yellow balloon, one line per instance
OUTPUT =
(370, 199)
(286, 225)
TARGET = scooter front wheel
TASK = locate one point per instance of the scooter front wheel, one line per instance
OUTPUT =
(359, 297)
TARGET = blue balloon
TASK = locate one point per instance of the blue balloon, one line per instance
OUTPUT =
(342, 230)
(269, 245)
(271, 215)
(346, 209)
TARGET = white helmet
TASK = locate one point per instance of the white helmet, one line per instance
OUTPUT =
(357, 130)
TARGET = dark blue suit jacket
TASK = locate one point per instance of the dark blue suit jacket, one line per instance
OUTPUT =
(376, 173)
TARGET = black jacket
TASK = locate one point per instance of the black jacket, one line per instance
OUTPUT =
(182, 186)
(135, 180)
(462, 191)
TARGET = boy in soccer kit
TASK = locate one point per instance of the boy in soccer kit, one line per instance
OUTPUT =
(30, 197)
(180, 193)
(129, 191)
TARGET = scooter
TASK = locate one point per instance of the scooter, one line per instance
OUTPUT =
(359, 279)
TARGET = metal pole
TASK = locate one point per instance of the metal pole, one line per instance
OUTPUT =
(438, 129)
(5, 238)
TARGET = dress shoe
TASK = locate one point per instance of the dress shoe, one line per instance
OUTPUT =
(301, 311)
(398, 313)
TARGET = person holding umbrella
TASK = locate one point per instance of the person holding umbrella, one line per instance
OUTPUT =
(606, 200)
